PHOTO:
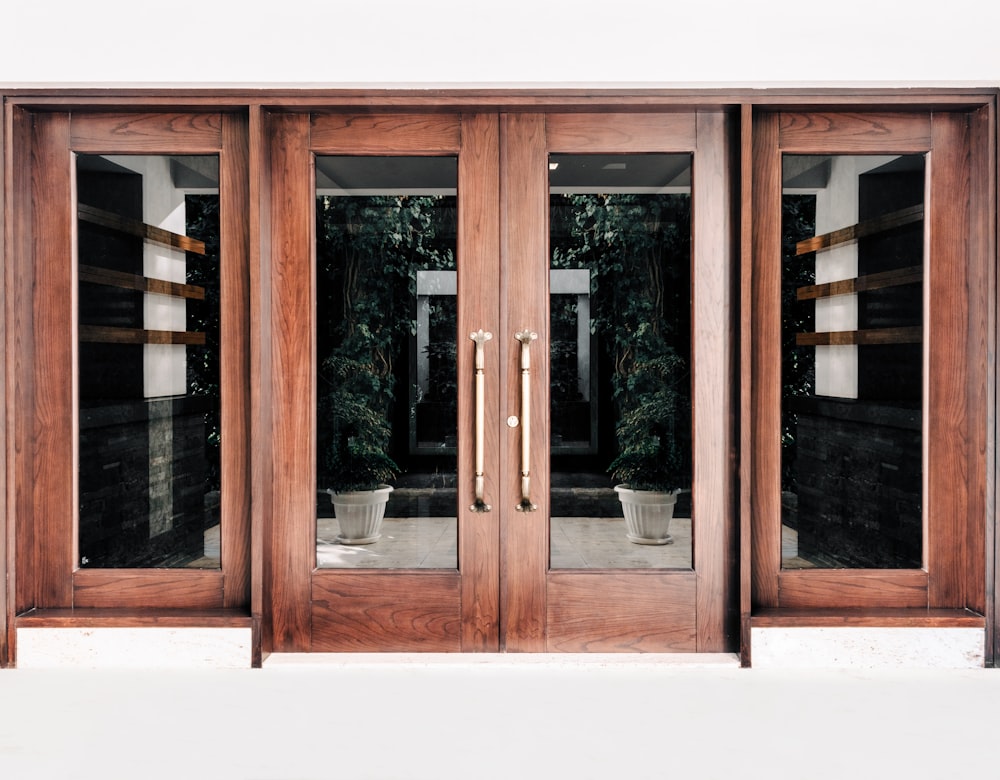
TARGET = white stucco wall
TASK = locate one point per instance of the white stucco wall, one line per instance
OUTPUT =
(517, 42)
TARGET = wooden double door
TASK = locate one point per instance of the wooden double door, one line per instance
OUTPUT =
(486, 282)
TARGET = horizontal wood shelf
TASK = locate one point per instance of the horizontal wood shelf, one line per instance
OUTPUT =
(875, 618)
(896, 278)
(908, 335)
(132, 618)
(106, 335)
(134, 227)
(109, 278)
(869, 227)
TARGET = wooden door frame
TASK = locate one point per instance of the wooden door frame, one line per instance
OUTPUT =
(694, 610)
(306, 608)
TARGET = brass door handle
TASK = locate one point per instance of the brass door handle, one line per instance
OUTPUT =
(480, 337)
(526, 337)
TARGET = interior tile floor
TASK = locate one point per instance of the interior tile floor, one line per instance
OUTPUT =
(432, 543)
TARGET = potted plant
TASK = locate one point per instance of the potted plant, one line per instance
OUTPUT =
(353, 449)
(653, 462)
(363, 261)
(639, 255)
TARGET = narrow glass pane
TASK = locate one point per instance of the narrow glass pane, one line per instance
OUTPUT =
(386, 327)
(148, 367)
(852, 361)
(620, 323)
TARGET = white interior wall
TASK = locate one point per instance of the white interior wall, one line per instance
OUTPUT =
(519, 42)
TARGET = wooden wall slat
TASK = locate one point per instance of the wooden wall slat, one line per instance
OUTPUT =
(397, 133)
(104, 334)
(614, 133)
(146, 133)
(93, 274)
(135, 227)
(868, 227)
(610, 612)
(395, 612)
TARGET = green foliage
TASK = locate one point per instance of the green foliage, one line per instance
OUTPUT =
(798, 364)
(368, 253)
(357, 434)
(202, 217)
(637, 248)
(653, 437)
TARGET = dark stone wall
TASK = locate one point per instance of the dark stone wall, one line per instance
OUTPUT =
(121, 488)
(859, 484)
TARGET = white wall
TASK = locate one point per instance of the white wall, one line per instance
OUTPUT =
(515, 42)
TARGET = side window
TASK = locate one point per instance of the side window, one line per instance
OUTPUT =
(148, 361)
(852, 361)
(868, 325)
(135, 370)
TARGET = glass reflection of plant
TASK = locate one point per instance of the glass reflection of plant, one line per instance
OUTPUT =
(202, 216)
(798, 364)
(637, 248)
(565, 385)
(368, 251)
(440, 401)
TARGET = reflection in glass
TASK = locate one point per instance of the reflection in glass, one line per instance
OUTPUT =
(620, 311)
(852, 361)
(386, 319)
(148, 370)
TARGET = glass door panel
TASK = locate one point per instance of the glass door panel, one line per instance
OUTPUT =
(852, 361)
(620, 323)
(148, 361)
(386, 334)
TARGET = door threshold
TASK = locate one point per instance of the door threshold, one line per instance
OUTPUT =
(505, 660)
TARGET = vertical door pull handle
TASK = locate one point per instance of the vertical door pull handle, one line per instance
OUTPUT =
(480, 337)
(526, 337)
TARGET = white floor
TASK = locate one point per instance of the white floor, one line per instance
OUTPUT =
(432, 543)
(389, 718)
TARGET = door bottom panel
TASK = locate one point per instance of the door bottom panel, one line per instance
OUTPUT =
(621, 612)
(362, 612)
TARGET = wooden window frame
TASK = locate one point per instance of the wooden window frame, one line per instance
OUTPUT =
(43, 369)
(958, 325)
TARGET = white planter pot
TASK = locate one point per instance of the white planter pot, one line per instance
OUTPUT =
(360, 513)
(647, 514)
